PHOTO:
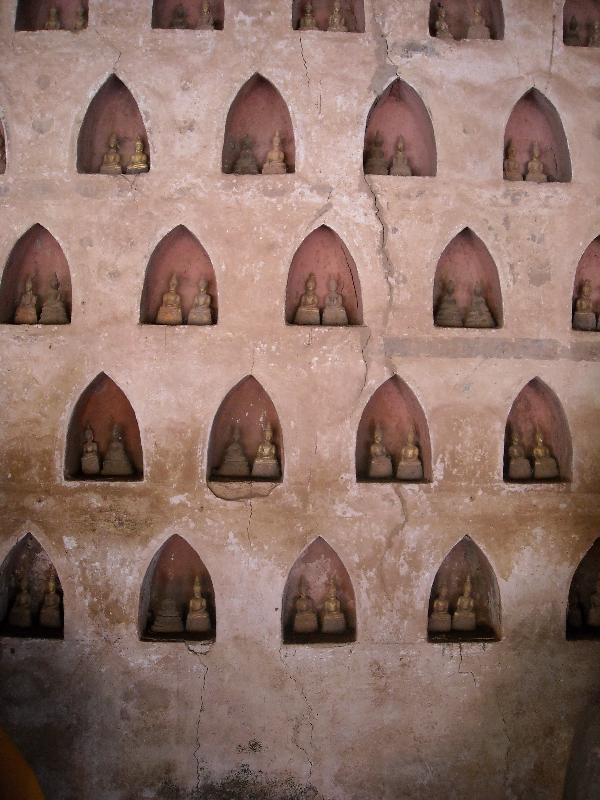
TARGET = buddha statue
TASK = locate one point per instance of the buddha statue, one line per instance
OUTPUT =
(200, 313)
(442, 31)
(26, 311)
(20, 613)
(305, 617)
(337, 23)
(53, 21)
(138, 162)
(572, 36)
(53, 308)
(535, 168)
(266, 464)
(50, 610)
(308, 21)
(198, 618)
(448, 314)
(519, 468)
(167, 617)
(332, 616)
(574, 615)
(179, 19)
(169, 312)
(595, 35)
(80, 22)
(334, 312)
(512, 170)
(584, 318)
(440, 620)
(479, 314)
(400, 165)
(116, 461)
(235, 463)
(545, 466)
(275, 163)
(206, 21)
(308, 312)
(90, 461)
(477, 27)
(246, 163)
(410, 466)
(593, 615)
(380, 463)
(111, 160)
(376, 162)
(464, 618)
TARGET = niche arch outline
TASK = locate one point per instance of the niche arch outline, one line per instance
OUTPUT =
(590, 552)
(581, 272)
(495, 19)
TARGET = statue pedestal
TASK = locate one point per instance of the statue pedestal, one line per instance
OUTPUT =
(137, 169)
(545, 469)
(376, 166)
(20, 617)
(200, 316)
(168, 619)
(198, 622)
(245, 166)
(409, 471)
(26, 315)
(582, 321)
(274, 168)
(233, 469)
(381, 467)
(266, 468)
(116, 467)
(306, 622)
(334, 315)
(401, 170)
(536, 177)
(464, 621)
(510, 175)
(478, 32)
(111, 169)
(333, 622)
(90, 464)
(439, 622)
(478, 319)
(593, 618)
(169, 316)
(53, 314)
(519, 469)
(305, 315)
(50, 617)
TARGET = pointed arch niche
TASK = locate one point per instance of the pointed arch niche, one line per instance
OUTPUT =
(258, 110)
(2, 148)
(463, 560)
(534, 119)
(459, 14)
(537, 408)
(466, 261)
(394, 408)
(584, 585)
(586, 13)
(354, 14)
(29, 563)
(39, 256)
(315, 566)
(324, 254)
(102, 405)
(113, 110)
(162, 13)
(588, 269)
(170, 577)
(178, 253)
(32, 15)
(400, 112)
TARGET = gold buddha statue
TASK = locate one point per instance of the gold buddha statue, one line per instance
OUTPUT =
(442, 31)
(477, 27)
(138, 162)
(519, 468)
(410, 467)
(512, 170)
(200, 313)
(464, 618)
(337, 23)
(50, 616)
(234, 464)
(305, 617)
(20, 613)
(246, 163)
(308, 312)
(90, 461)
(535, 168)
(375, 161)
(53, 21)
(584, 318)
(380, 463)
(593, 615)
(595, 35)
(116, 461)
(334, 312)
(440, 620)
(400, 165)
(206, 21)
(333, 619)
(169, 312)
(198, 618)
(80, 22)
(545, 466)
(275, 163)
(479, 314)
(308, 21)
(53, 308)
(111, 160)
(266, 464)
(26, 311)
(448, 314)
(572, 36)
(179, 20)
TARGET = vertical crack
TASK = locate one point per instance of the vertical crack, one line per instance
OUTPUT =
(249, 523)
(297, 723)
(464, 672)
(388, 268)
(196, 753)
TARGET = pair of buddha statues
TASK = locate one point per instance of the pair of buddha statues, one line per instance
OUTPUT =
(591, 616)
(206, 21)
(410, 466)
(336, 22)
(21, 614)
(535, 168)
(449, 315)
(311, 312)
(246, 163)
(53, 311)
(235, 464)
(584, 316)
(168, 618)
(170, 312)
(575, 38)
(53, 22)
(111, 160)
(541, 466)
(477, 27)
(115, 464)
(377, 164)
(330, 620)
(462, 619)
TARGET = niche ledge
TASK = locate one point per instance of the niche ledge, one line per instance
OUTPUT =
(242, 490)
(483, 634)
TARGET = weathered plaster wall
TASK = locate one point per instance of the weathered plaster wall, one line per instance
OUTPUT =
(103, 715)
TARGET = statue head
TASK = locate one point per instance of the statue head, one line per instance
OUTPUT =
(573, 24)
(586, 288)
(54, 284)
(378, 434)
(443, 593)
(173, 282)
(53, 14)
(377, 139)
(337, 6)
(477, 289)
(311, 283)
(450, 287)
(113, 142)
(331, 588)
(467, 587)
(139, 145)
(308, 9)
(116, 432)
(205, 7)
(442, 12)
(202, 285)
(410, 438)
(400, 144)
(536, 150)
(277, 139)
(52, 582)
(236, 433)
(28, 284)
(88, 433)
(539, 438)
(246, 142)
(197, 588)
(332, 284)
(515, 438)
(302, 586)
(268, 432)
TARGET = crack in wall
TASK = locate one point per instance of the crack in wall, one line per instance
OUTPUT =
(465, 672)
(304, 60)
(112, 47)
(507, 791)
(249, 522)
(551, 62)
(388, 269)
(196, 752)
(297, 724)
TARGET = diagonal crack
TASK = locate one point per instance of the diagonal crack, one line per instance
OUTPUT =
(249, 522)
(464, 672)
(304, 60)
(310, 717)
(198, 654)
(388, 268)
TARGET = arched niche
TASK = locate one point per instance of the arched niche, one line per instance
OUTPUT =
(466, 261)
(459, 14)
(102, 406)
(324, 254)
(257, 111)
(537, 408)
(113, 110)
(586, 14)
(2, 149)
(534, 119)
(178, 253)
(162, 13)
(588, 269)
(315, 566)
(248, 408)
(28, 567)
(466, 559)
(353, 10)
(170, 576)
(32, 15)
(17, 779)
(395, 409)
(39, 256)
(400, 112)
(585, 584)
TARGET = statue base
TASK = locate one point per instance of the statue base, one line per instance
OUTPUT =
(306, 622)
(200, 316)
(137, 170)
(593, 617)
(444, 35)
(572, 41)
(479, 321)
(53, 315)
(111, 169)
(274, 168)
(20, 618)
(307, 316)
(439, 622)
(478, 32)
(535, 178)
(376, 168)
(583, 321)
(198, 623)
(519, 469)
(464, 621)
(381, 467)
(401, 170)
(50, 618)
(115, 469)
(90, 465)
(26, 315)
(334, 315)
(513, 176)
(266, 468)
(338, 29)
(545, 469)
(409, 471)
(245, 168)
(308, 26)
(167, 620)
(167, 316)
(333, 623)
(452, 320)
(233, 469)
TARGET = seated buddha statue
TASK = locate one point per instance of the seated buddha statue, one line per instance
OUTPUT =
(50, 610)
(246, 163)
(235, 463)
(198, 618)
(380, 463)
(53, 21)
(334, 312)
(111, 160)
(593, 615)
(266, 464)
(512, 170)
(337, 23)
(464, 618)
(53, 308)
(479, 314)
(167, 617)
(440, 620)
(410, 466)
(584, 318)
(206, 21)
(200, 313)
(375, 161)
(179, 19)
(116, 461)
(535, 168)
(519, 468)
(169, 312)
(595, 35)
(26, 311)
(275, 163)
(572, 36)
(305, 617)
(308, 21)
(80, 22)
(138, 162)
(400, 165)
(332, 616)
(442, 31)
(90, 461)
(308, 312)
(448, 314)
(477, 27)
(20, 612)
(545, 466)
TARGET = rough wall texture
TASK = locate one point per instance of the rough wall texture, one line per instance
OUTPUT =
(102, 715)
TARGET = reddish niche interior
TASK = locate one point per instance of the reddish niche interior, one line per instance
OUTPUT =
(178, 253)
(113, 110)
(460, 12)
(28, 560)
(248, 407)
(586, 13)
(162, 12)
(102, 405)
(534, 119)
(353, 10)
(325, 255)
(400, 112)
(2, 149)
(583, 586)
(463, 560)
(466, 261)
(396, 410)
(171, 574)
(32, 15)
(36, 255)
(537, 408)
(258, 111)
(315, 567)
(588, 269)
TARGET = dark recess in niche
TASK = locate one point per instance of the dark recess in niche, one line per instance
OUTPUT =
(32, 15)
(162, 13)
(586, 14)
(459, 14)
(588, 269)
(584, 597)
(353, 10)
